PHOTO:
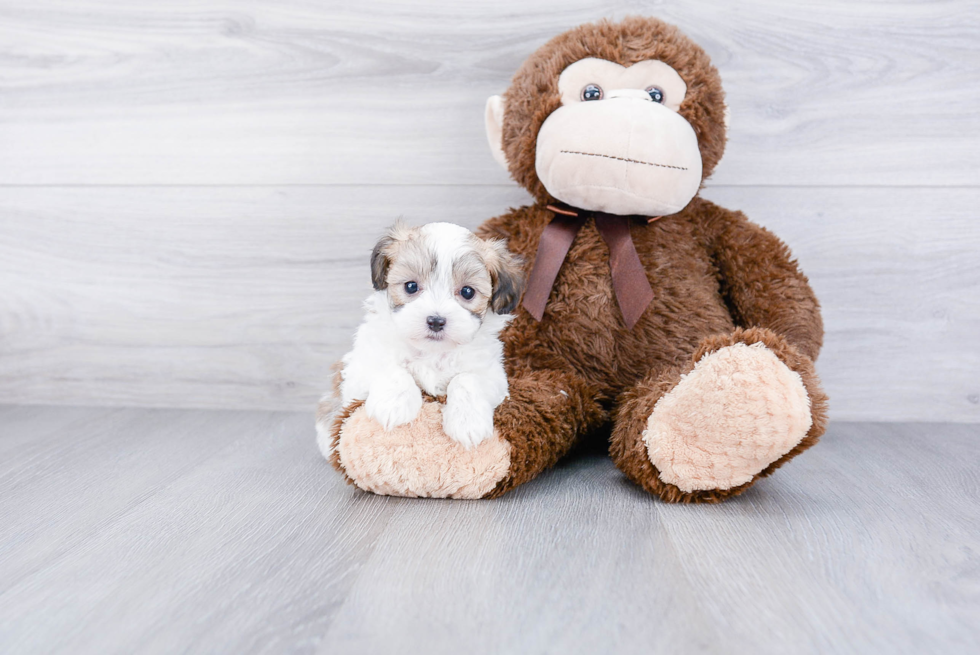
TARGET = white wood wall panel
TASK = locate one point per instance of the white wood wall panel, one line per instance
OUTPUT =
(287, 92)
(188, 190)
(243, 297)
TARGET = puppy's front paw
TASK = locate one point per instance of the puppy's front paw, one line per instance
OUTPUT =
(467, 424)
(394, 401)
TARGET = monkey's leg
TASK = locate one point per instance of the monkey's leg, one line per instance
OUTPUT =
(537, 424)
(748, 402)
(547, 411)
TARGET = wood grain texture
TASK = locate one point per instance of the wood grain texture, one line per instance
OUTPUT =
(854, 136)
(387, 91)
(155, 531)
(239, 297)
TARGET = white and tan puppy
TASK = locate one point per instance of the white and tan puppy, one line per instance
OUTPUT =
(442, 296)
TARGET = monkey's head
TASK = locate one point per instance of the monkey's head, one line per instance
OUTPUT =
(625, 118)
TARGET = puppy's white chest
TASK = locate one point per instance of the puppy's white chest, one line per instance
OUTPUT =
(433, 373)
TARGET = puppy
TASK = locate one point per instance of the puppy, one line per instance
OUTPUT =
(442, 296)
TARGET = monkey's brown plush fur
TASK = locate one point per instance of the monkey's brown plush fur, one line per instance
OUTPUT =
(711, 270)
(718, 281)
(713, 274)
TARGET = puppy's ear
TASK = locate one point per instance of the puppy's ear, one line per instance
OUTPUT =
(506, 274)
(385, 250)
(380, 262)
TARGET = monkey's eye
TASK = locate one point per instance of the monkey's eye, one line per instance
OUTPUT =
(656, 94)
(467, 293)
(411, 287)
(592, 92)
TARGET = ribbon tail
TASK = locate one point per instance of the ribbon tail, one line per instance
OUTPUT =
(633, 291)
(556, 239)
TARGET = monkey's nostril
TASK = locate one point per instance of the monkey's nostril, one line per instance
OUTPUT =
(436, 323)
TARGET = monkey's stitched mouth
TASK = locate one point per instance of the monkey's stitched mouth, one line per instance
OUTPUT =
(628, 161)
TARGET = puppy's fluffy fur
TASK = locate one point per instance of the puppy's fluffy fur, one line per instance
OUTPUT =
(422, 332)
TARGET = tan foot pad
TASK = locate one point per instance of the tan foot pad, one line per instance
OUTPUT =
(738, 411)
(418, 460)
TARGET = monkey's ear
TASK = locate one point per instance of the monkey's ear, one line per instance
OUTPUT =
(506, 275)
(495, 129)
(380, 263)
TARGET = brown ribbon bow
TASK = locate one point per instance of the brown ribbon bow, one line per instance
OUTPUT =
(633, 291)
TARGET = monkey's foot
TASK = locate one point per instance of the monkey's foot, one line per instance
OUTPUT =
(416, 459)
(748, 403)
(736, 413)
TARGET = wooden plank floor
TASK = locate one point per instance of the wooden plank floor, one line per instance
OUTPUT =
(140, 530)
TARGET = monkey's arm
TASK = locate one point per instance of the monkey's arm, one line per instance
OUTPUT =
(495, 228)
(520, 228)
(761, 282)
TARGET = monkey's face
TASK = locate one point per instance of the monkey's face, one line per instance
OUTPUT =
(617, 144)
(626, 118)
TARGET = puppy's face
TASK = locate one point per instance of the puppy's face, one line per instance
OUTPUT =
(441, 280)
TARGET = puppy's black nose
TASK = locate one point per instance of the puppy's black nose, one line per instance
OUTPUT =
(436, 323)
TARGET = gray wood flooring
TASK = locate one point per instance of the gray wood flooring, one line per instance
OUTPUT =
(164, 531)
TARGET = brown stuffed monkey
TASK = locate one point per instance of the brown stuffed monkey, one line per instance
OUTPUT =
(677, 329)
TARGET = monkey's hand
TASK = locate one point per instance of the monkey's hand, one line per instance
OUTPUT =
(394, 399)
(467, 417)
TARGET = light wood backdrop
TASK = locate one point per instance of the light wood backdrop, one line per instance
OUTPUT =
(189, 190)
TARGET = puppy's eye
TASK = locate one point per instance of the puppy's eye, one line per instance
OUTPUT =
(411, 287)
(592, 92)
(656, 93)
(467, 293)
